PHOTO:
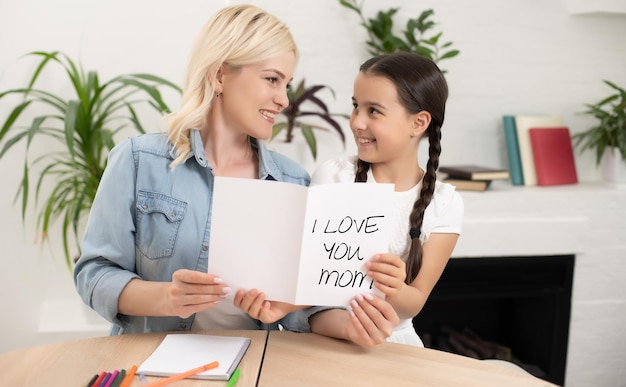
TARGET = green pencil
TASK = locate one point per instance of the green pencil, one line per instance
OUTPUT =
(120, 377)
(233, 379)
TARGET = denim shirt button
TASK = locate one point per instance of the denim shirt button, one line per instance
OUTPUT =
(173, 214)
(145, 206)
(205, 248)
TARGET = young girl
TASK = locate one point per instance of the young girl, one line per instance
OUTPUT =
(399, 99)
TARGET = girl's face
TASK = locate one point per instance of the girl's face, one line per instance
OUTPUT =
(253, 95)
(383, 129)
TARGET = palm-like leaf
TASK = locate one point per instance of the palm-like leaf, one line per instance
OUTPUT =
(383, 40)
(297, 99)
(610, 132)
(85, 125)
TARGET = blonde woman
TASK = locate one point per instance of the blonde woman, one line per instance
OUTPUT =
(145, 250)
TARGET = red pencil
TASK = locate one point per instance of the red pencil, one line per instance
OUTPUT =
(97, 382)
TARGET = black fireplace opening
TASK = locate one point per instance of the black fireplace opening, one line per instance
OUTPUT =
(510, 308)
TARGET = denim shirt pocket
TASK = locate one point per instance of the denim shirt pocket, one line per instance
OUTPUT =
(158, 220)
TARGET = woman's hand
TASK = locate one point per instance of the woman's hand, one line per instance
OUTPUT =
(372, 320)
(253, 302)
(388, 272)
(192, 291)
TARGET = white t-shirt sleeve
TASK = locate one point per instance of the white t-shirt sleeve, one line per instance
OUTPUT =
(338, 170)
(445, 214)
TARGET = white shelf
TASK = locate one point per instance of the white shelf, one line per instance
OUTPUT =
(521, 236)
(590, 7)
(511, 220)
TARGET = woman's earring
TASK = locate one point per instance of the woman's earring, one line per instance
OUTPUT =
(217, 95)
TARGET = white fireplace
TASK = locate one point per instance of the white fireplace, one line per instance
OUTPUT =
(585, 220)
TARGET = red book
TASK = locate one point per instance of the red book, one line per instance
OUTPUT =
(553, 156)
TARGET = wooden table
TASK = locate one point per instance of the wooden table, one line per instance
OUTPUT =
(296, 359)
(282, 359)
(73, 363)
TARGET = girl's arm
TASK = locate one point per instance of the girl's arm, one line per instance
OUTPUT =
(370, 322)
(388, 272)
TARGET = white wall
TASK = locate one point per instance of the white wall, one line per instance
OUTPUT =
(517, 57)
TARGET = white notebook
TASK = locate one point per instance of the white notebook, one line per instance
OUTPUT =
(180, 352)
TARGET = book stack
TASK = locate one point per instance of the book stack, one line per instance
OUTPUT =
(539, 150)
(472, 177)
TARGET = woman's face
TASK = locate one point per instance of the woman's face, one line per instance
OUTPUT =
(383, 129)
(253, 95)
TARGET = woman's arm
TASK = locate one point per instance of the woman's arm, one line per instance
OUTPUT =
(253, 302)
(189, 292)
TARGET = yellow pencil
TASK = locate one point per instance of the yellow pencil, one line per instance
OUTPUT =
(183, 375)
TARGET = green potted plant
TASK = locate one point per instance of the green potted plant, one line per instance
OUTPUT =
(415, 38)
(84, 127)
(304, 103)
(608, 137)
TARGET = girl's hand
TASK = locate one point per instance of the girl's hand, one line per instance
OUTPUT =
(192, 291)
(253, 302)
(372, 320)
(388, 272)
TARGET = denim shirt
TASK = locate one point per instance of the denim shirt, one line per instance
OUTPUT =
(148, 220)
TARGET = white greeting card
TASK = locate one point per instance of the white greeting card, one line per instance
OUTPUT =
(297, 244)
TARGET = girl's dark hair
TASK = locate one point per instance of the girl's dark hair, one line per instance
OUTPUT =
(421, 86)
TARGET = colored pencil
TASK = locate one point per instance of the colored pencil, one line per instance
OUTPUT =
(129, 376)
(183, 375)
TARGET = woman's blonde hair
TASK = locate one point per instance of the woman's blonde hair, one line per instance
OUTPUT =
(236, 36)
